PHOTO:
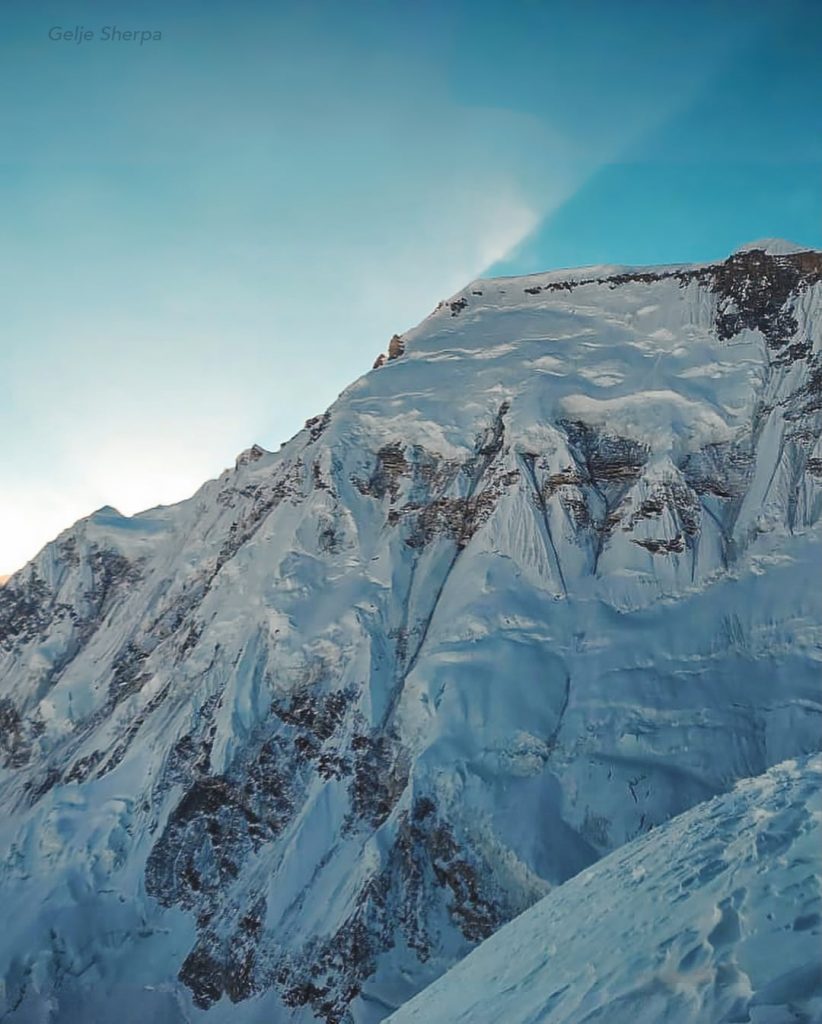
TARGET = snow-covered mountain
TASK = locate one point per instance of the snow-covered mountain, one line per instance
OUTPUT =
(715, 916)
(544, 578)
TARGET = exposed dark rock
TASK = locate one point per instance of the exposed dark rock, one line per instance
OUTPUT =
(474, 913)
(128, 676)
(432, 512)
(38, 787)
(9, 722)
(459, 517)
(380, 774)
(203, 973)
(190, 756)
(400, 637)
(328, 975)
(84, 766)
(229, 965)
(208, 837)
(252, 454)
(722, 469)
(69, 555)
(426, 475)
(793, 353)
(191, 639)
(391, 466)
(609, 458)
(266, 496)
(675, 545)
(328, 537)
(569, 487)
(223, 820)
(316, 472)
(806, 401)
(610, 464)
(489, 442)
(217, 825)
(754, 290)
(569, 476)
(121, 748)
(175, 615)
(27, 608)
(318, 714)
(111, 574)
(396, 347)
(12, 741)
(673, 496)
(425, 863)
(316, 426)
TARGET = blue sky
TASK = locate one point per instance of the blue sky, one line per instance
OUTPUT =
(206, 238)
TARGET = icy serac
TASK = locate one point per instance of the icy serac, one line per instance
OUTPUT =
(544, 578)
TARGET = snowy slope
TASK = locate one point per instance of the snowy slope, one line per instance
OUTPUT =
(543, 579)
(715, 916)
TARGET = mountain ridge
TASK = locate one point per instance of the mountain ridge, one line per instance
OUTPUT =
(768, 246)
(702, 935)
(552, 562)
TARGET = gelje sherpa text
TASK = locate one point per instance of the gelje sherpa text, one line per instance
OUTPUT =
(107, 34)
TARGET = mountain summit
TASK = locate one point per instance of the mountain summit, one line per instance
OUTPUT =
(543, 579)
(774, 247)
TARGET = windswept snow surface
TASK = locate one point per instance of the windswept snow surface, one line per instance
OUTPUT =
(715, 916)
(547, 577)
